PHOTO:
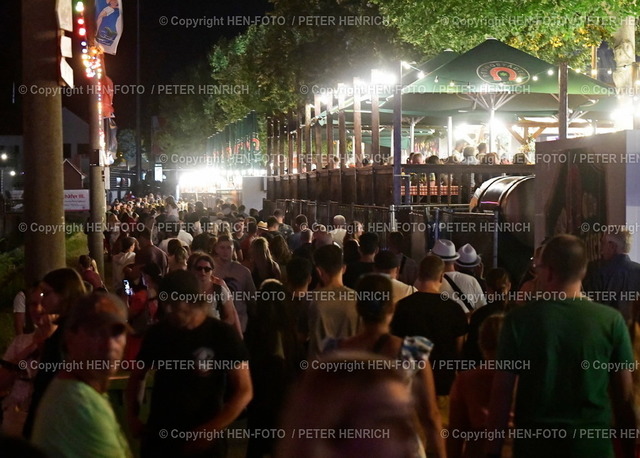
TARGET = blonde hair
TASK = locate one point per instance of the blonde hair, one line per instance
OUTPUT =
(260, 250)
(621, 239)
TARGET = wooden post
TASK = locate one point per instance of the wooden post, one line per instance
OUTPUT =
(281, 136)
(342, 138)
(307, 136)
(299, 132)
(290, 149)
(276, 146)
(318, 132)
(342, 131)
(330, 152)
(269, 145)
(357, 124)
(375, 129)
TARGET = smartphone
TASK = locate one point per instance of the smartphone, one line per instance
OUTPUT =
(127, 288)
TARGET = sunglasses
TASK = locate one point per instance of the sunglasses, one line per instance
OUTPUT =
(203, 268)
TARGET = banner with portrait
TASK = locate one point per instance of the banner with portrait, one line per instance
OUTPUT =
(108, 24)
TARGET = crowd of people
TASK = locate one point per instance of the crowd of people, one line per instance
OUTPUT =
(332, 342)
(464, 182)
(463, 153)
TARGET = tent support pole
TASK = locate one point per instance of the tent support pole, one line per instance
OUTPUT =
(450, 135)
(492, 134)
(563, 70)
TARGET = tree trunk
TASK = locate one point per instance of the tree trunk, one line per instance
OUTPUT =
(624, 52)
(42, 133)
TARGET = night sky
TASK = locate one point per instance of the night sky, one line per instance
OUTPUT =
(164, 51)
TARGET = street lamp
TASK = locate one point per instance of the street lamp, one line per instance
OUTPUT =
(397, 131)
(397, 138)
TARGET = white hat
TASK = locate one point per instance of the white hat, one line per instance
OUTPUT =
(468, 256)
(445, 250)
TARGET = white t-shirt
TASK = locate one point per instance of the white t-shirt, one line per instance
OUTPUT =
(468, 285)
(333, 315)
(401, 290)
(119, 262)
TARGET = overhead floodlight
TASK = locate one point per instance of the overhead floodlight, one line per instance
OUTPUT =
(359, 82)
(385, 78)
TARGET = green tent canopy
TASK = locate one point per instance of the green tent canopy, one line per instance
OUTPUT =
(494, 67)
(429, 66)
(386, 139)
(496, 76)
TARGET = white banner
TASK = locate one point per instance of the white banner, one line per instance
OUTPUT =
(108, 24)
(76, 200)
(64, 14)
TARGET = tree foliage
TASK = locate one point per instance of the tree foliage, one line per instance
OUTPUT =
(552, 30)
(127, 144)
(272, 67)
(279, 65)
(188, 125)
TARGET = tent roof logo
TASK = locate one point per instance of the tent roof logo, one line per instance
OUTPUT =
(505, 73)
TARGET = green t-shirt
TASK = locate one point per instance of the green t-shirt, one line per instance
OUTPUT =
(74, 420)
(560, 351)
